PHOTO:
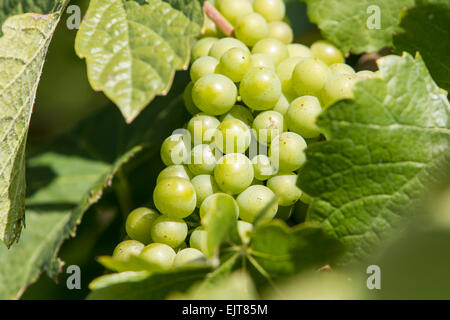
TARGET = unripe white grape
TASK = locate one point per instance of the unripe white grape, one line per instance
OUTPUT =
(261, 60)
(175, 150)
(214, 94)
(341, 69)
(189, 256)
(203, 160)
(201, 47)
(202, 67)
(233, 136)
(309, 77)
(204, 185)
(337, 88)
(260, 89)
(302, 115)
(244, 230)
(234, 64)
(284, 185)
(127, 248)
(239, 112)
(273, 48)
(175, 197)
(281, 31)
(268, 125)
(271, 10)
(187, 98)
(209, 206)
(159, 254)
(254, 200)
(327, 52)
(299, 50)
(251, 28)
(221, 46)
(284, 72)
(287, 151)
(234, 173)
(202, 128)
(198, 239)
(174, 171)
(233, 10)
(262, 167)
(169, 231)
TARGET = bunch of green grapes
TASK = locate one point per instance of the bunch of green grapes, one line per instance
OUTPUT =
(254, 100)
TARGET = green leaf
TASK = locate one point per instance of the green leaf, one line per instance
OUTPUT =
(23, 48)
(220, 222)
(344, 22)
(277, 250)
(384, 148)
(145, 286)
(135, 58)
(70, 175)
(237, 286)
(426, 29)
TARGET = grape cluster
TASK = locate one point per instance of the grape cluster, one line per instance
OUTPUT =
(254, 100)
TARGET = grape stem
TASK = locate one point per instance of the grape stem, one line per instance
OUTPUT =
(220, 21)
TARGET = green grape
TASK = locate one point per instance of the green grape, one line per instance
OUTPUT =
(210, 204)
(284, 73)
(204, 185)
(234, 64)
(127, 248)
(282, 105)
(281, 31)
(271, 10)
(326, 52)
(244, 229)
(273, 48)
(302, 115)
(219, 48)
(239, 112)
(201, 47)
(139, 223)
(174, 150)
(202, 128)
(305, 198)
(309, 77)
(169, 231)
(254, 200)
(341, 69)
(209, 28)
(299, 50)
(287, 151)
(366, 74)
(202, 67)
(203, 160)
(284, 213)
(268, 125)
(337, 88)
(174, 171)
(234, 173)
(260, 89)
(233, 136)
(159, 254)
(214, 94)
(189, 256)
(262, 167)
(187, 98)
(284, 185)
(175, 197)
(251, 28)
(233, 10)
(198, 239)
(261, 60)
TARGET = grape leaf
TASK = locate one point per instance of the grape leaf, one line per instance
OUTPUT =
(345, 22)
(426, 29)
(384, 148)
(143, 285)
(277, 250)
(71, 174)
(135, 58)
(23, 48)
(220, 222)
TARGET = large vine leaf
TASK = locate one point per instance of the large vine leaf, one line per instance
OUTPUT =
(23, 48)
(144, 285)
(384, 148)
(426, 29)
(70, 175)
(344, 22)
(277, 250)
(135, 58)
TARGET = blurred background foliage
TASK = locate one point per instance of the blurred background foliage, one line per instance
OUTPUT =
(412, 266)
